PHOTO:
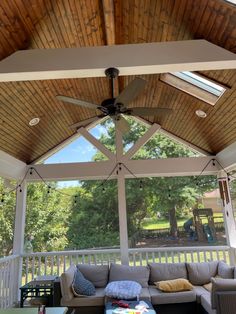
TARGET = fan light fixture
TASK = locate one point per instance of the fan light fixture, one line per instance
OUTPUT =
(34, 121)
(201, 113)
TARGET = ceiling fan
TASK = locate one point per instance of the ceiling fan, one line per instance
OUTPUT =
(115, 107)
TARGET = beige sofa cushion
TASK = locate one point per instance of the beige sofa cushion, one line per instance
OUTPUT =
(66, 283)
(97, 274)
(159, 297)
(166, 271)
(201, 273)
(139, 274)
(95, 300)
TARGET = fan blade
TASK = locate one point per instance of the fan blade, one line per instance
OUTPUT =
(122, 125)
(141, 111)
(131, 91)
(85, 122)
(78, 102)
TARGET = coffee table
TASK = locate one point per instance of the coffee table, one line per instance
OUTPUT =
(109, 307)
(34, 310)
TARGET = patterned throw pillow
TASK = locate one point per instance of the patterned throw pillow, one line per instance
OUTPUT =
(82, 286)
(125, 289)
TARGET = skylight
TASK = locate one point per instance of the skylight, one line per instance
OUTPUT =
(195, 85)
(201, 82)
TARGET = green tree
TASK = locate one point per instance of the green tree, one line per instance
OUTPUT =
(167, 195)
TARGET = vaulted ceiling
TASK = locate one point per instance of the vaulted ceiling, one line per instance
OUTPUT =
(77, 23)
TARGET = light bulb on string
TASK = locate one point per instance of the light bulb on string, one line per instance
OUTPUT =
(2, 199)
(49, 189)
(140, 184)
(213, 162)
(31, 171)
(20, 189)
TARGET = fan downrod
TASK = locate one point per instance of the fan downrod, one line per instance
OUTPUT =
(112, 73)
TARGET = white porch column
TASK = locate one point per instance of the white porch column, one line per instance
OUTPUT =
(122, 203)
(230, 227)
(18, 242)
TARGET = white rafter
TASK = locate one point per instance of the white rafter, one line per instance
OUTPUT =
(176, 138)
(141, 141)
(89, 137)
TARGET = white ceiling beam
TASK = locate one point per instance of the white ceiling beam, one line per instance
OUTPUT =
(10, 167)
(89, 137)
(141, 141)
(227, 157)
(176, 138)
(141, 168)
(135, 59)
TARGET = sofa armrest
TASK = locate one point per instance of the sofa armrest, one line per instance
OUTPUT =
(225, 302)
(66, 283)
(220, 285)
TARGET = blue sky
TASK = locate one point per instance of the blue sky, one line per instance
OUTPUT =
(80, 150)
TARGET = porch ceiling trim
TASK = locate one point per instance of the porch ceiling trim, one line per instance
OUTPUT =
(227, 157)
(162, 57)
(141, 168)
(10, 167)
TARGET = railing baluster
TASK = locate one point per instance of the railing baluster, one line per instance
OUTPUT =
(33, 267)
(39, 261)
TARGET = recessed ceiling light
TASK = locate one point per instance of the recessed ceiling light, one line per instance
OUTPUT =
(201, 113)
(34, 121)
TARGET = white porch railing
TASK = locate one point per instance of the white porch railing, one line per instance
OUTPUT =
(54, 263)
(9, 269)
(178, 254)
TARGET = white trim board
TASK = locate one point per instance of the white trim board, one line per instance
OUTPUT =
(10, 167)
(100, 170)
(134, 59)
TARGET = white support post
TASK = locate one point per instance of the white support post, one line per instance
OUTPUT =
(18, 243)
(124, 248)
(230, 227)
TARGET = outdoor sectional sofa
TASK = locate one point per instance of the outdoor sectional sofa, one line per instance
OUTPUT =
(222, 298)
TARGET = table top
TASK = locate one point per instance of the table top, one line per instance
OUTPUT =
(34, 310)
(109, 308)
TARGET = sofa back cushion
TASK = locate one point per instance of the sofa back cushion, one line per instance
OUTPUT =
(225, 271)
(166, 271)
(97, 274)
(66, 283)
(201, 273)
(139, 274)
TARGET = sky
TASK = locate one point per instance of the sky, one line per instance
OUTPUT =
(80, 150)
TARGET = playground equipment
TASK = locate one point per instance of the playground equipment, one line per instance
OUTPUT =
(204, 230)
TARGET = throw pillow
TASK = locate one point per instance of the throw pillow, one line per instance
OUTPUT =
(175, 285)
(82, 286)
(123, 289)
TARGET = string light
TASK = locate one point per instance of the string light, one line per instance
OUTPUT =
(119, 165)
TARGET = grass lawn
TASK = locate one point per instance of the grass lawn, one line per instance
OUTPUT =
(155, 223)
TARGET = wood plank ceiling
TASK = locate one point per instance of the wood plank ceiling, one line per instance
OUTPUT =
(76, 23)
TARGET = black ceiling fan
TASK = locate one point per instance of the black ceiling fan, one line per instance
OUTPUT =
(115, 107)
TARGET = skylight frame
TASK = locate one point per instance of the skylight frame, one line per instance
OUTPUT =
(195, 85)
(201, 82)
